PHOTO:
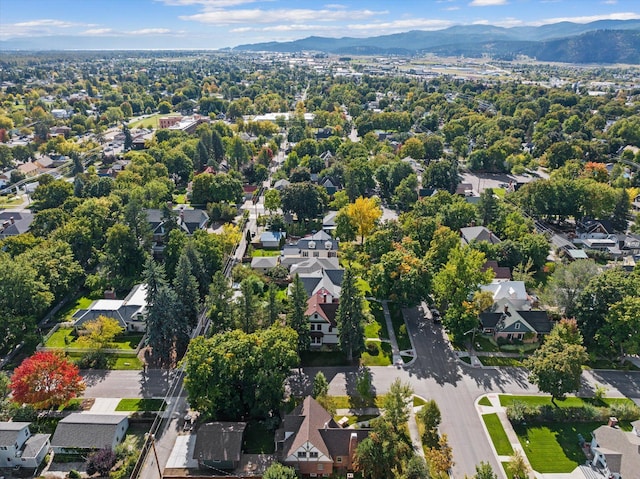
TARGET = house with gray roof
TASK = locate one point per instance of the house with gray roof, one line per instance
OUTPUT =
(89, 432)
(264, 263)
(20, 448)
(318, 245)
(478, 233)
(188, 220)
(616, 452)
(504, 320)
(219, 445)
(130, 312)
(13, 223)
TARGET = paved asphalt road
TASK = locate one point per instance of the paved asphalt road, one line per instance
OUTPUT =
(435, 374)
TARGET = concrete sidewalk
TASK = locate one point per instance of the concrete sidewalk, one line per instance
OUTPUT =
(104, 406)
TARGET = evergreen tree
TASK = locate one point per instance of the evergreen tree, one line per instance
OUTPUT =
(621, 212)
(155, 279)
(273, 306)
(320, 385)
(248, 305)
(186, 288)
(219, 302)
(350, 317)
(128, 140)
(166, 332)
(296, 318)
(197, 267)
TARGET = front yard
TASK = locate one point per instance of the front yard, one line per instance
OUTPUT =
(65, 338)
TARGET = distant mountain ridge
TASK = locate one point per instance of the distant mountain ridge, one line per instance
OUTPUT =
(604, 41)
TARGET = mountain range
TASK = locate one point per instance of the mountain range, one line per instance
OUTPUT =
(604, 41)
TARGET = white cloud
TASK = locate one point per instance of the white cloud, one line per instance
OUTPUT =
(40, 27)
(150, 31)
(260, 16)
(45, 22)
(403, 25)
(589, 18)
(97, 32)
(451, 9)
(487, 3)
(610, 2)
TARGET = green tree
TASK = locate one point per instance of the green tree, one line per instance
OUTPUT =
(234, 375)
(350, 317)
(556, 367)
(621, 214)
(567, 282)
(413, 148)
(397, 403)
(484, 471)
(384, 453)
(296, 317)
(440, 458)
(272, 200)
(278, 471)
(429, 415)
(621, 331)
(517, 466)
(186, 287)
(305, 200)
(124, 256)
(416, 468)
(320, 385)
(364, 214)
(219, 303)
(100, 333)
(248, 304)
(51, 194)
(487, 207)
(273, 304)
(166, 329)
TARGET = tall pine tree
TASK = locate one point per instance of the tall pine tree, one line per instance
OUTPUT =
(296, 318)
(166, 333)
(350, 317)
(186, 288)
(219, 303)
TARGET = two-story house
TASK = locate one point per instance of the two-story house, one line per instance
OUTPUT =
(313, 444)
(20, 448)
(322, 321)
(616, 452)
(186, 219)
(318, 245)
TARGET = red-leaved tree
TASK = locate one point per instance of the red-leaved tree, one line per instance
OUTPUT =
(45, 380)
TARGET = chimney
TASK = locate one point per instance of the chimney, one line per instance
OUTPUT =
(110, 294)
(613, 421)
(12, 220)
(324, 298)
(506, 309)
(353, 444)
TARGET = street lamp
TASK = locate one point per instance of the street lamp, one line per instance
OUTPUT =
(473, 338)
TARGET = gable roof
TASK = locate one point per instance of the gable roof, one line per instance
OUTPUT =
(88, 431)
(122, 310)
(478, 233)
(188, 219)
(219, 441)
(327, 311)
(9, 432)
(503, 317)
(14, 223)
(310, 265)
(311, 418)
(513, 290)
(620, 449)
(264, 261)
(500, 272)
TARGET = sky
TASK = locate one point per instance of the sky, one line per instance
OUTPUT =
(214, 24)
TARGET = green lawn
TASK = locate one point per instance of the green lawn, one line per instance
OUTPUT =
(318, 358)
(258, 439)
(498, 436)
(347, 402)
(418, 401)
(506, 400)
(498, 361)
(505, 466)
(137, 404)
(355, 419)
(399, 327)
(553, 448)
(66, 313)
(264, 252)
(483, 343)
(131, 363)
(376, 311)
(150, 122)
(601, 363)
(180, 199)
(124, 341)
(381, 356)
(484, 401)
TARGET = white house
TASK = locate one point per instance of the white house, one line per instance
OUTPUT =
(616, 452)
(18, 447)
(322, 321)
(318, 245)
(130, 312)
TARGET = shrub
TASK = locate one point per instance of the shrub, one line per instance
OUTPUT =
(372, 349)
(101, 462)
(624, 411)
(73, 474)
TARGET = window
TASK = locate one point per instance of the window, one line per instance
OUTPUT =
(517, 325)
(302, 453)
(305, 254)
(313, 327)
(330, 329)
(313, 454)
(320, 467)
(316, 254)
(339, 459)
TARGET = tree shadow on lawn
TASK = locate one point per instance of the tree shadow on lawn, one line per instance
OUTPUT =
(554, 447)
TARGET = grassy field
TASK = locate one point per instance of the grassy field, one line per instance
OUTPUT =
(140, 405)
(553, 448)
(484, 401)
(150, 121)
(264, 252)
(115, 362)
(380, 356)
(498, 436)
(124, 341)
(66, 313)
(381, 330)
(506, 400)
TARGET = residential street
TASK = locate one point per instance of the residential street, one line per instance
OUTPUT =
(434, 374)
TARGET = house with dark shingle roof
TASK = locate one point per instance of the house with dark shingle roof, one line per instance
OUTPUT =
(314, 444)
(18, 447)
(322, 321)
(616, 452)
(130, 312)
(186, 219)
(89, 432)
(219, 445)
(14, 223)
(478, 233)
(503, 320)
